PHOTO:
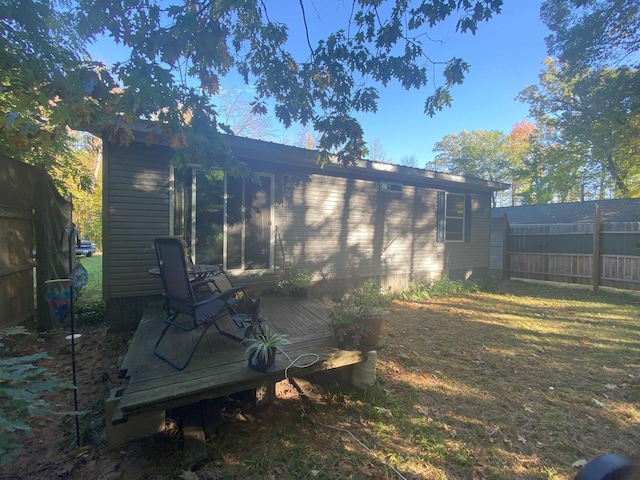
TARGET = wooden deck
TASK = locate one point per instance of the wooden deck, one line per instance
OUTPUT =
(219, 366)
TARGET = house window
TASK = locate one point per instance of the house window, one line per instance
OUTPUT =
(390, 187)
(454, 212)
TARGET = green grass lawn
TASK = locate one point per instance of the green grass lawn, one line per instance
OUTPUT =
(90, 304)
(89, 307)
(524, 382)
(93, 291)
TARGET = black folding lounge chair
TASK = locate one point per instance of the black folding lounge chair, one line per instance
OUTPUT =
(610, 466)
(194, 299)
(245, 312)
(246, 315)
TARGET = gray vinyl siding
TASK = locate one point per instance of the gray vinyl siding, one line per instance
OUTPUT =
(339, 227)
(137, 207)
(336, 223)
(462, 259)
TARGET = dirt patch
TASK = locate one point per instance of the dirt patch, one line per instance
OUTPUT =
(51, 451)
(520, 383)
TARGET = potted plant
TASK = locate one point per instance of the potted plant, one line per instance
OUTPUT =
(357, 318)
(262, 349)
(347, 327)
(294, 284)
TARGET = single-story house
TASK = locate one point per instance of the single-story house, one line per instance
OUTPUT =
(394, 223)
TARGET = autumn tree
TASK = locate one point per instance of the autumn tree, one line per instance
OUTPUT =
(87, 200)
(518, 148)
(550, 171)
(47, 84)
(589, 93)
(476, 153)
(596, 113)
(533, 158)
(593, 33)
(179, 51)
(303, 138)
(541, 169)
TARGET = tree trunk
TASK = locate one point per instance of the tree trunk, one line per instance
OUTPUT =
(618, 180)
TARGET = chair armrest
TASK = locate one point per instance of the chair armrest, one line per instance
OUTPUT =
(227, 294)
(198, 283)
(224, 296)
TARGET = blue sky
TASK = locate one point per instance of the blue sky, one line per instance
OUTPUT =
(505, 55)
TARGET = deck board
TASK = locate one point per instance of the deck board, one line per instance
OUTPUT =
(219, 366)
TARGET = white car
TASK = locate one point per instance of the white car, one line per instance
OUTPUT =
(86, 247)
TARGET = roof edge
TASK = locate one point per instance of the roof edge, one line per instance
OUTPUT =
(290, 155)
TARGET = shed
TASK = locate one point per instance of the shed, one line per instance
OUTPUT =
(340, 224)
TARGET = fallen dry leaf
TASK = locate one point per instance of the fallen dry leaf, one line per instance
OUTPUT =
(189, 475)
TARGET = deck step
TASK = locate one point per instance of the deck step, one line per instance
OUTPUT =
(121, 429)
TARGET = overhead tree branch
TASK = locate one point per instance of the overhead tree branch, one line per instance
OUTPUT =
(306, 27)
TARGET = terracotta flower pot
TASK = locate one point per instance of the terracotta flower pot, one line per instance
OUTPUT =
(372, 325)
(375, 325)
(344, 344)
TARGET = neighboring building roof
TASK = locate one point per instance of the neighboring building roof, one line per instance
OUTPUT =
(618, 210)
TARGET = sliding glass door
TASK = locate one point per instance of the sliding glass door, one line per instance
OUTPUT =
(209, 217)
(233, 220)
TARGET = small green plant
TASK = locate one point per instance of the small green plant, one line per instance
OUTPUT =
(22, 384)
(11, 331)
(549, 473)
(90, 313)
(349, 330)
(416, 292)
(357, 304)
(422, 292)
(366, 301)
(293, 283)
(260, 347)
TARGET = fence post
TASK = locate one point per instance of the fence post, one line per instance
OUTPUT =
(597, 258)
(506, 264)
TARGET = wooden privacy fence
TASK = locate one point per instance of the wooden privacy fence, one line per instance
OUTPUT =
(32, 214)
(16, 265)
(597, 253)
